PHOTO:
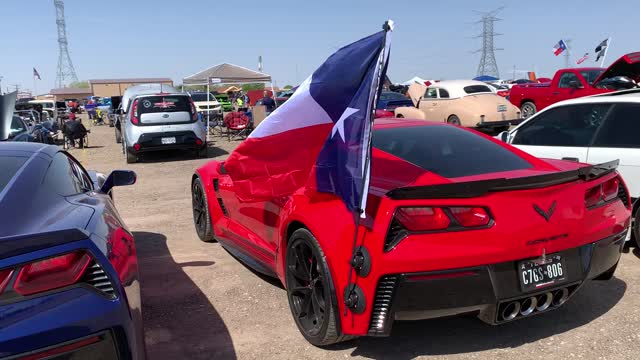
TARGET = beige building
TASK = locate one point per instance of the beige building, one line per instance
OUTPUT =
(70, 93)
(117, 87)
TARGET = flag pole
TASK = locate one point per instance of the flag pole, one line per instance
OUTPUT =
(606, 50)
(358, 258)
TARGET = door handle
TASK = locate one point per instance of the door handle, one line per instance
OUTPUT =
(574, 159)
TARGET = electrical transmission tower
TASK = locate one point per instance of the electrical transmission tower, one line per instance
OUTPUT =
(488, 65)
(66, 72)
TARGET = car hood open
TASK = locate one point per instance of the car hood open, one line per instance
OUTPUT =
(7, 107)
(627, 66)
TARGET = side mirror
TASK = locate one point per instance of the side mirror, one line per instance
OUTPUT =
(504, 136)
(575, 84)
(118, 178)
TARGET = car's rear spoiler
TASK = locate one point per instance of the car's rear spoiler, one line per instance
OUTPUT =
(471, 189)
(20, 244)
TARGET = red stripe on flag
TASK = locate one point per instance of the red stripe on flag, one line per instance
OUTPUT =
(558, 51)
(275, 165)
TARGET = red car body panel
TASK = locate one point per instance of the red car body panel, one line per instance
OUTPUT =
(260, 229)
(545, 94)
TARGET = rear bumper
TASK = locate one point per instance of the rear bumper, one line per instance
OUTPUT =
(484, 290)
(78, 321)
(184, 140)
(497, 124)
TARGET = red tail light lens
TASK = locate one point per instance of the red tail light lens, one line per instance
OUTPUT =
(610, 189)
(134, 113)
(423, 218)
(592, 196)
(137, 147)
(51, 273)
(470, 216)
(5, 276)
(194, 112)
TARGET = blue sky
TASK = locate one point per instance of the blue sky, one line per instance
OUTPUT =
(158, 38)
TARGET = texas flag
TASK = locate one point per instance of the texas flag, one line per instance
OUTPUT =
(323, 129)
(559, 48)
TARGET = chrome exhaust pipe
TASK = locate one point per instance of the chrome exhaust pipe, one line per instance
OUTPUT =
(560, 296)
(544, 301)
(528, 306)
(511, 310)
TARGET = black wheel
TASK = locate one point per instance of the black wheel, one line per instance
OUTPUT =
(635, 230)
(528, 109)
(453, 120)
(118, 136)
(201, 218)
(131, 158)
(309, 290)
(400, 116)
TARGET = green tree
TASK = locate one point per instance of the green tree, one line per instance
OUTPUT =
(80, 84)
(287, 87)
(253, 86)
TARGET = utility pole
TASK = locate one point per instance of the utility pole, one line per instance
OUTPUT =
(488, 65)
(567, 54)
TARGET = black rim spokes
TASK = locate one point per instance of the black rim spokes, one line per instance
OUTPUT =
(198, 207)
(306, 288)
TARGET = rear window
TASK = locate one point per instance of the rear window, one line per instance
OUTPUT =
(474, 89)
(447, 151)
(156, 104)
(9, 165)
(387, 96)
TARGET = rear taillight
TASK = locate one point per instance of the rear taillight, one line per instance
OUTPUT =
(52, 273)
(423, 218)
(470, 216)
(5, 277)
(602, 193)
(194, 112)
(134, 113)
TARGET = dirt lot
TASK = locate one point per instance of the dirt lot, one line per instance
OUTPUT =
(201, 303)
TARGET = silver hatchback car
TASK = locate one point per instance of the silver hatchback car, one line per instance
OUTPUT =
(162, 121)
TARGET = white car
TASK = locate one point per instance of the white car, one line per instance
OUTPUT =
(592, 130)
(204, 106)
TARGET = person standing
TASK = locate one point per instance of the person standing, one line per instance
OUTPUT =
(268, 102)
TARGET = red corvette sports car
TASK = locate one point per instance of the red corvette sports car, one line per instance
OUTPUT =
(456, 223)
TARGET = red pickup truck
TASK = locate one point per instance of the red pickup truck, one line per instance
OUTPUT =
(577, 82)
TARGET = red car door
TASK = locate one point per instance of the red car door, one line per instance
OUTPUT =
(570, 86)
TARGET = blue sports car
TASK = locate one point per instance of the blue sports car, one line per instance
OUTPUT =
(69, 285)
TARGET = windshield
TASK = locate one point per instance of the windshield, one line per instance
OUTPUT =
(386, 96)
(591, 75)
(9, 165)
(197, 97)
(446, 150)
(17, 126)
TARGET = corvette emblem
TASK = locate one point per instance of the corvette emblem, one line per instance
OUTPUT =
(546, 215)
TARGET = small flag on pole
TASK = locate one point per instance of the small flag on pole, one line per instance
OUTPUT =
(559, 48)
(582, 59)
(601, 49)
(36, 74)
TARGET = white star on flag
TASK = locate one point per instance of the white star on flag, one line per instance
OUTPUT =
(339, 126)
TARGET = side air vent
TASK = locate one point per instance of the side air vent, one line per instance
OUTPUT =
(216, 185)
(216, 188)
(96, 277)
(382, 305)
(222, 207)
(623, 195)
(396, 233)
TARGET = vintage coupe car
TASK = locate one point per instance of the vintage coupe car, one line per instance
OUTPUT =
(69, 286)
(460, 102)
(456, 223)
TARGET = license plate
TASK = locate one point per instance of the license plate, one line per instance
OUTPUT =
(168, 140)
(538, 274)
(502, 108)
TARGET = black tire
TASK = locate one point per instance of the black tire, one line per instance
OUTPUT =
(400, 116)
(203, 153)
(131, 158)
(635, 231)
(528, 109)
(311, 292)
(118, 136)
(454, 120)
(201, 218)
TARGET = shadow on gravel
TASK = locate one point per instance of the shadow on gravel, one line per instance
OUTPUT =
(179, 155)
(179, 320)
(468, 334)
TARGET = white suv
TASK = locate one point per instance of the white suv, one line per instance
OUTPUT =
(592, 130)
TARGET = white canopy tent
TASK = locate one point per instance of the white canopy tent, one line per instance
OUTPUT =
(227, 74)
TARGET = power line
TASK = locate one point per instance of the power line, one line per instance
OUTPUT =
(488, 64)
(66, 72)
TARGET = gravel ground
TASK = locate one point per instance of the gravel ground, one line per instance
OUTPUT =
(201, 303)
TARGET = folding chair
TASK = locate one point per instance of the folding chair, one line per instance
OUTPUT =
(237, 124)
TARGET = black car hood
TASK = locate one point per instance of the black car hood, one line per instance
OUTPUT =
(7, 107)
(628, 66)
